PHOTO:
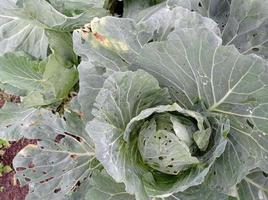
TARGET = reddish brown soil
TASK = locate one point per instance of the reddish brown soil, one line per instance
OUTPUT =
(11, 186)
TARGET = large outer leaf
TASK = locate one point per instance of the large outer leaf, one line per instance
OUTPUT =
(197, 66)
(63, 158)
(247, 26)
(126, 37)
(242, 22)
(12, 117)
(254, 186)
(123, 96)
(111, 44)
(9, 89)
(96, 65)
(218, 10)
(198, 192)
(101, 189)
(22, 25)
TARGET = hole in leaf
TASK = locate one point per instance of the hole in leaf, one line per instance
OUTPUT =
(199, 4)
(160, 158)
(31, 165)
(73, 156)
(255, 49)
(170, 166)
(59, 138)
(74, 136)
(57, 190)
(264, 174)
(76, 186)
(27, 179)
(19, 169)
(46, 180)
(250, 124)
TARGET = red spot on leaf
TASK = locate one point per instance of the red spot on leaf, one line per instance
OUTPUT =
(19, 169)
(99, 37)
(59, 138)
(31, 165)
(46, 180)
(73, 156)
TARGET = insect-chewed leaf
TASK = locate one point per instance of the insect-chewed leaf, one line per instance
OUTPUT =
(62, 160)
(195, 65)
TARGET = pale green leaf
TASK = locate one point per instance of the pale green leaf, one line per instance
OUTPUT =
(12, 117)
(62, 159)
(73, 7)
(9, 89)
(104, 187)
(159, 149)
(126, 37)
(242, 22)
(253, 187)
(20, 71)
(23, 25)
(201, 192)
(247, 27)
(96, 65)
(132, 7)
(58, 78)
(44, 82)
(62, 46)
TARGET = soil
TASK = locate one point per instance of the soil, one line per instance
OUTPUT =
(11, 187)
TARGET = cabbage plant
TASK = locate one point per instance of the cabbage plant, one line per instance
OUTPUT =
(167, 102)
